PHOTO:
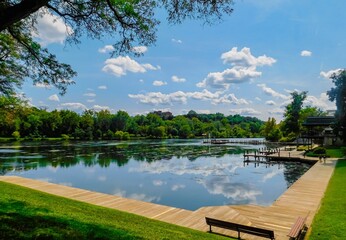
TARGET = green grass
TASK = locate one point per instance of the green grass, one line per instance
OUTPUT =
(336, 152)
(330, 221)
(30, 214)
(333, 152)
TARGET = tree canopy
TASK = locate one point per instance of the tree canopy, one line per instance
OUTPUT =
(338, 94)
(19, 120)
(291, 123)
(129, 22)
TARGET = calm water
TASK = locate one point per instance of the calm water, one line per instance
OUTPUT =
(179, 173)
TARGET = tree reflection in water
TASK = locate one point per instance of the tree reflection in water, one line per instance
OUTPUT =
(168, 170)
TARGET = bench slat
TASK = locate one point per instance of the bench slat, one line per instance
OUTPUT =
(297, 227)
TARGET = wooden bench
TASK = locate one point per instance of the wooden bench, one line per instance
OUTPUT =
(240, 228)
(297, 228)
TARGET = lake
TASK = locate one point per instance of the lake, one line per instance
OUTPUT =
(180, 173)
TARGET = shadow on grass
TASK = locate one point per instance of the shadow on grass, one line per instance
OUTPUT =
(18, 222)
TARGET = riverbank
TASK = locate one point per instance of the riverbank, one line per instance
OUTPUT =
(31, 214)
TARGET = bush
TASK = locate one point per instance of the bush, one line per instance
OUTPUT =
(119, 135)
(65, 136)
(302, 148)
(16, 135)
(126, 136)
(319, 150)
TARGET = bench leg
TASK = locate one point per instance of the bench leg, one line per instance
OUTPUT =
(209, 228)
(238, 234)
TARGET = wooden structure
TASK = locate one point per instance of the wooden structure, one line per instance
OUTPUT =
(240, 228)
(318, 130)
(297, 228)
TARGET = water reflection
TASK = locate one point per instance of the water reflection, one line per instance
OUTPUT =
(180, 173)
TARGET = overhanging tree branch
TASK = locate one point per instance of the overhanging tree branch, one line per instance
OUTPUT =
(12, 14)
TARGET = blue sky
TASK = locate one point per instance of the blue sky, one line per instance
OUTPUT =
(248, 64)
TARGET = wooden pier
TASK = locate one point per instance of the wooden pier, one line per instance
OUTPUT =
(234, 141)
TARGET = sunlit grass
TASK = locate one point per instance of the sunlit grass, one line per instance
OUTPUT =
(329, 223)
(30, 214)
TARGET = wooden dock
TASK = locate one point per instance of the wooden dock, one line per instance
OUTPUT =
(234, 141)
(301, 198)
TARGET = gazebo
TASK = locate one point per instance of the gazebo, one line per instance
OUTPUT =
(319, 130)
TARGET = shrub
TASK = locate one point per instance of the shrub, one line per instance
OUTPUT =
(302, 148)
(126, 136)
(16, 135)
(119, 135)
(65, 136)
(319, 150)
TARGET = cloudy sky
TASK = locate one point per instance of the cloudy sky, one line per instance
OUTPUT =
(247, 64)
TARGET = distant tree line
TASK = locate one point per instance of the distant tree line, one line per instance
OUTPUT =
(20, 120)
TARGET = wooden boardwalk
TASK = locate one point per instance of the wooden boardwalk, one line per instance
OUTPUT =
(302, 198)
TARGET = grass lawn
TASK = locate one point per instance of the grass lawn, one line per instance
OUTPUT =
(330, 221)
(336, 152)
(30, 214)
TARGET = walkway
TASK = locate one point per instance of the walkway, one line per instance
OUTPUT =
(301, 198)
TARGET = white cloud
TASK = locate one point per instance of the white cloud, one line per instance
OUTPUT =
(43, 85)
(89, 94)
(203, 111)
(239, 192)
(244, 68)
(102, 87)
(121, 65)
(230, 99)
(137, 196)
(258, 99)
(222, 80)
(106, 49)
(140, 49)
(91, 100)
(321, 102)
(245, 111)
(177, 41)
(159, 83)
(156, 98)
(270, 103)
(100, 108)
(159, 183)
(305, 53)
(54, 98)
(74, 106)
(244, 58)
(276, 111)
(176, 187)
(328, 74)
(177, 79)
(204, 95)
(269, 91)
(51, 28)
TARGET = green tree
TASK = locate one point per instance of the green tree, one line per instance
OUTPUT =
(120, 121)
(103, 121)
(69, 122)
(129, 22)
(291, 124)
(338, 94)
(87, 124)
(271, 131)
